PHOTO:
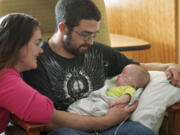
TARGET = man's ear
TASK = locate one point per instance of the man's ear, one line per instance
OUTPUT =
(63, 28)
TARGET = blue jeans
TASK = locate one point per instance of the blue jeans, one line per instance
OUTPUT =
(128, 128)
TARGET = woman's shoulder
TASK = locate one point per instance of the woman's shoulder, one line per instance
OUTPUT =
(9, 72)
(7, 75)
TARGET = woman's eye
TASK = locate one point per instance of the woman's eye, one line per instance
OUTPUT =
(37, 44)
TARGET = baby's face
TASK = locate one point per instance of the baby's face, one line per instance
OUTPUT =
(121, 81)
(124, 78)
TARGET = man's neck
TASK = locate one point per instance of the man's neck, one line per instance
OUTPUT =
(55, 43)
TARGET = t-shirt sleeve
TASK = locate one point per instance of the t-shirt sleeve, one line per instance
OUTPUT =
(129, 90)
(114, 61)
(22, 100)
(117, 62)
(118, 91)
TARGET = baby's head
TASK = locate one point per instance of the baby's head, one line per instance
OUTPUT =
(133, 75)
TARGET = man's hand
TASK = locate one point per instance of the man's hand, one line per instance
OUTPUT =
(172, 71)
(119, 112)
(173, 74)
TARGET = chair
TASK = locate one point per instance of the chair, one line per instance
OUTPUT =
(174, 119)
(43, 10)
(171, 123)
(25, 127)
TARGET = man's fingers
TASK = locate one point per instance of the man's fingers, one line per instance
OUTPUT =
(168, 75)
(173, 76)
(132, 107)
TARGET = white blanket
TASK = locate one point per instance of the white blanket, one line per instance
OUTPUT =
(95, 104)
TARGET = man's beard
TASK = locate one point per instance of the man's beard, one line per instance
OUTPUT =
(68, 46)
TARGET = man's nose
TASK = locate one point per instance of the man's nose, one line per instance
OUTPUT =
(90, 41)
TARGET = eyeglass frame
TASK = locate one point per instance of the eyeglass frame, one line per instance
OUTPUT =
(88, 36)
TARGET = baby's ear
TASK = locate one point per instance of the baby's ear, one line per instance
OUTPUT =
(134, 86)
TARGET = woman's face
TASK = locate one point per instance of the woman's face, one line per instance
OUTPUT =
(29, 52)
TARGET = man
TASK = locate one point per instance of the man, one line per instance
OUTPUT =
(72, 66)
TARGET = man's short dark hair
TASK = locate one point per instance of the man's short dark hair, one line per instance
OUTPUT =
(71, 12)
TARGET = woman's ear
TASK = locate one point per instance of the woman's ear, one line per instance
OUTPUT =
(63, 28)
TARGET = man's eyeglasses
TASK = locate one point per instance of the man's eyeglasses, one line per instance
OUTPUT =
(87, 36)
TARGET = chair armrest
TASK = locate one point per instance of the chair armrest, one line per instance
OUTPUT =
(174, 119)
(30, 129)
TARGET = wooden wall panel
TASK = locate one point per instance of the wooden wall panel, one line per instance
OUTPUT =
(152, 20)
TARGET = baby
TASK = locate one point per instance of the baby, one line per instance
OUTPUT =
(131, 78)
(98, 102)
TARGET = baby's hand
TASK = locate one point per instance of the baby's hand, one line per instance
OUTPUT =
(122, 100)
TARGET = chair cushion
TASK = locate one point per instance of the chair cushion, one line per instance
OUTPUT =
(103, 35)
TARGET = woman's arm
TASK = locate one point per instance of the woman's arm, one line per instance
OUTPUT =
(22, 100)
(115, 116)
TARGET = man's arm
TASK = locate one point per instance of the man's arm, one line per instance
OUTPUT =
(172, 71)
(116, 115)
(156, 66)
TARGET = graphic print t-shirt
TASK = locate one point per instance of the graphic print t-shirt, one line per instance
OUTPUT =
(67, 80)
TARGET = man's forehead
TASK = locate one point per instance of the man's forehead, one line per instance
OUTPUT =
(88, 25)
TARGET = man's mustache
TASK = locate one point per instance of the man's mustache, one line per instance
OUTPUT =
(85, 45)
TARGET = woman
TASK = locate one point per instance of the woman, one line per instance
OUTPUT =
(20, 38)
